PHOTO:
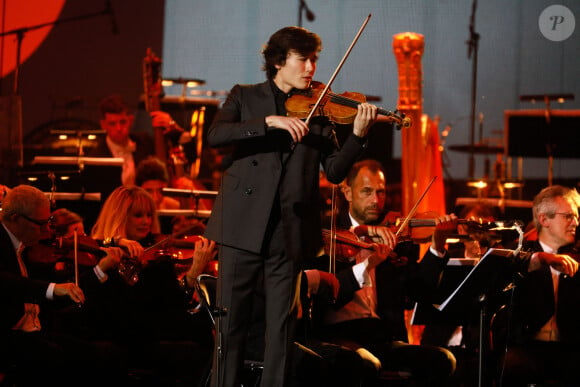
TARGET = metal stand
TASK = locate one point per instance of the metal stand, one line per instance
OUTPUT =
(473, 46)
(20, 32)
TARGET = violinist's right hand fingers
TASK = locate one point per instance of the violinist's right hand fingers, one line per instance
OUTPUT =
(112, 259)
(71, 290)
(295, 126)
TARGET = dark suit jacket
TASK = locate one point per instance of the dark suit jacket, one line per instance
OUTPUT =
(144, 142)
(534, 303)
(266, 167)
(15, 289)
(397, 287)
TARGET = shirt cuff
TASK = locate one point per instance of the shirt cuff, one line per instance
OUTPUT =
(101, 275)
(435, 252)
(50, 291)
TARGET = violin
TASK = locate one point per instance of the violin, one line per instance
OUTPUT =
(420, 230)
(57, 255)
(339, 108)
(178, 251)
(346, 245)
(62, 248)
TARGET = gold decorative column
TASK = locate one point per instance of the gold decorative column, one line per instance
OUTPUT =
(420, 156)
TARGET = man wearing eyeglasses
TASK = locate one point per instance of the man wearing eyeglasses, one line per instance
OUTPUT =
(25, 217)
(544, 323)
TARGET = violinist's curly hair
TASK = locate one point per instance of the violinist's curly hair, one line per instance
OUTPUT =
(112, 220)
(545, 202)
(285, 40)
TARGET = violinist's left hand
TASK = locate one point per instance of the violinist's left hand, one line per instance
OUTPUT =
(378, 234)
(204, 252)
(561, 262)
(365, 117)
(134, 248)
(112, 259)
(444, 226)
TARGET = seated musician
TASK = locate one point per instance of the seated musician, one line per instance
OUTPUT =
(53, 258)
(154, 301)
(132, 146)
(153, 177)
(368, 316)
(40, 356)
(541, 335)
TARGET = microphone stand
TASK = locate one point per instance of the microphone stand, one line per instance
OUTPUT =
(473, 45)
(20, 32)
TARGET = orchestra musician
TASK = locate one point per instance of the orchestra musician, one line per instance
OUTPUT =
(153, 303)
(539, 335)
(266, 216)
(368, 316)
(121, 141)
(153, 177)
(40, 355)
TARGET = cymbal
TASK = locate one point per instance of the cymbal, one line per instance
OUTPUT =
(191, 82)
(477, 148)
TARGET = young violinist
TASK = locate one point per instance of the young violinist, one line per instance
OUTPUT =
(266, 215)
(368, 316)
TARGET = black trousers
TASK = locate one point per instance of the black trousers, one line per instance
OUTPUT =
(429, 365)
(540, 363)
(239, 276)
(43, 358)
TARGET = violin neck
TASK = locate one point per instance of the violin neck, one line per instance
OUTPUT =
(422, 223)
(353, 103)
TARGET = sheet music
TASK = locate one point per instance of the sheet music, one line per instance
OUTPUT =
(501, 252)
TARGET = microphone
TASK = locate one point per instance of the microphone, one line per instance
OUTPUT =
(310, 16)
(109, 11)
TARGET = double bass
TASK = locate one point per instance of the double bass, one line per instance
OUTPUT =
(172, 154)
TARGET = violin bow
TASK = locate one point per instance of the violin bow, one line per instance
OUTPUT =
(414, 209)
(346, 54)
(76, 257)
(332, 240)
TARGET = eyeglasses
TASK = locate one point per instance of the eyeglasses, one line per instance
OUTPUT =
(569, 216)
(48, 222)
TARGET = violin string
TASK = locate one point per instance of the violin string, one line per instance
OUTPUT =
(349, 102)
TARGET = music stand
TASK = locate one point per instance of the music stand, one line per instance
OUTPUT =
(491, 275)
(542, 133)
(97, 174)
